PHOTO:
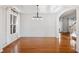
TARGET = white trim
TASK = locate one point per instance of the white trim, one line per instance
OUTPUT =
(10, 42)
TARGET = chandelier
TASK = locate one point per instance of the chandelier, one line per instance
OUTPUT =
(37, 17)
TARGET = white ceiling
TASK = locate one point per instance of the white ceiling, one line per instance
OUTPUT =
(27, 9)
(42, 8)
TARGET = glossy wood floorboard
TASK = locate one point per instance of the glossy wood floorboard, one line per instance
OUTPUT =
(64, 45)
(40, 45)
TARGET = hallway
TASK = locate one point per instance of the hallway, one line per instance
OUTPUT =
(40, 45)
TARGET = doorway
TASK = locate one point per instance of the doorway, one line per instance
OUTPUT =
(67, 22)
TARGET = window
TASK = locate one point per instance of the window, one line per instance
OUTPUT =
(12, 24)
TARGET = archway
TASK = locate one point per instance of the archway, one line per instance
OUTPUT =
(58, 18)
(67, 22)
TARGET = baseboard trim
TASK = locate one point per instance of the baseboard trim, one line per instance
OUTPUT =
(38, 37)
(10, 42)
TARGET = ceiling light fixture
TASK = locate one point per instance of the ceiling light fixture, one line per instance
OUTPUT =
(37, 17)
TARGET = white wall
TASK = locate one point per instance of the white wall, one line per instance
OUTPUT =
(2, 27)
(34, 28)
(60, 25)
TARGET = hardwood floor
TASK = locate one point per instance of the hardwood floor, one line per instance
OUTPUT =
(65, 43)
(40, 45)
